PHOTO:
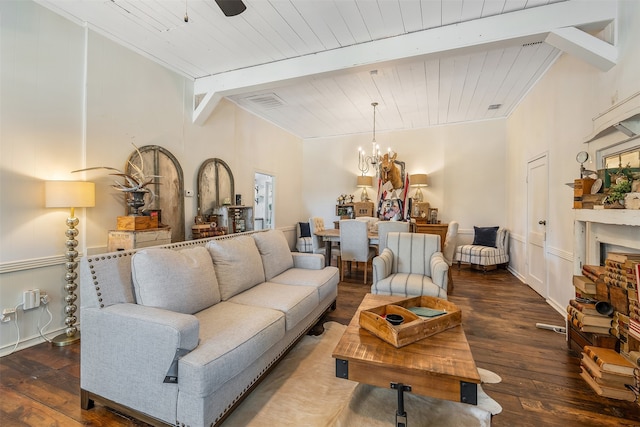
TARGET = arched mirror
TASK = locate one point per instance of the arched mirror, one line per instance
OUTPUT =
(168, 192)
(215, 186)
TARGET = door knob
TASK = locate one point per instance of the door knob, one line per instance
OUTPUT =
(542, 222)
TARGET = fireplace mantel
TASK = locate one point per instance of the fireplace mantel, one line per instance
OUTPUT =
(620, 227)
(609, 216)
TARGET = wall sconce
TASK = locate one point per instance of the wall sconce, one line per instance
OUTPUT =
(418, 180)
(70, 194)
(364, 182)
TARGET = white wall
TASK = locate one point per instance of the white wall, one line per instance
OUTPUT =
(46, 132)
(477, 170)
(555, 118)
(465, 164)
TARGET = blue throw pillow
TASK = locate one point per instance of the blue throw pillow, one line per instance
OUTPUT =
(485, 236)
(305, 231)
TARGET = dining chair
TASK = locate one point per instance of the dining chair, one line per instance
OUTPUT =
(449, 249)
(354, 245)
(384, 227)
(317, 244)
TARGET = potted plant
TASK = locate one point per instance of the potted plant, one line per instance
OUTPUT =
(618, 190)
(135, 184)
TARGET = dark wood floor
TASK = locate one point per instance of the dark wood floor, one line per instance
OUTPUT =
(39, 386)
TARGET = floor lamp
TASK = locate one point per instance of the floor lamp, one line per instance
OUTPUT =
(70, 194)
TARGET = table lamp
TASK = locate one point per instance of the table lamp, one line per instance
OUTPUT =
(70, 194)
(364, 181)
(418, 180)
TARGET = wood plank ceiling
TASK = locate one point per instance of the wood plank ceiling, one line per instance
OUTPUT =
(445, 87)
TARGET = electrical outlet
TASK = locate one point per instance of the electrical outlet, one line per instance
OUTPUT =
(31, 299)
(44, 297)
(7, 313)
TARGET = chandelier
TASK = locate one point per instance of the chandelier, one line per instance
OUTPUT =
(373, 160)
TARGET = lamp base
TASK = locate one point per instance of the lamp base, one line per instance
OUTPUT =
(63, 339)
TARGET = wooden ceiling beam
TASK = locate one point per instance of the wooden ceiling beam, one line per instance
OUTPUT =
(590, 49)
(524, 26)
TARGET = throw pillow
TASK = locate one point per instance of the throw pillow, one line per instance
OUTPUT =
(485, 236)
(182, 281)
(237, 263)
(275, 252)
(305, 230)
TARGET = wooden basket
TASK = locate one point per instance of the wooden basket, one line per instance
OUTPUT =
(413, 328)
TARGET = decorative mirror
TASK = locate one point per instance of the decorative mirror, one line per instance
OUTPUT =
(167, 194)
(215, 186)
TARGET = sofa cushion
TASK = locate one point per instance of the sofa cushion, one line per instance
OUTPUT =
(232, 337)
(183, 281)
(296, 302)
(237, 263)
(324, 280)
(275, 252)
(485, 236)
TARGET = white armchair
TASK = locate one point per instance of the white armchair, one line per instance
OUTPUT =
(410, 265)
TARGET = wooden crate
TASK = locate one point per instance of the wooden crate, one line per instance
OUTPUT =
(582, 186)
(134, 239)
(414, 327)
(131, 222)
(576, 339)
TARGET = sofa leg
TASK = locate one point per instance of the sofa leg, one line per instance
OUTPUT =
(459, 262)
(85, 401)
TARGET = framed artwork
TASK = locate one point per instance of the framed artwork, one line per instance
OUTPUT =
(432, 217)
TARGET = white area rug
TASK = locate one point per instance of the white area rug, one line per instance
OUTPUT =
(304, 391)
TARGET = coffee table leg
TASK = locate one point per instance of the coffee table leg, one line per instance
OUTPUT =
(401, 414)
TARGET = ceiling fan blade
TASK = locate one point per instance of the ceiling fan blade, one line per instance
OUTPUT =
(231, 7)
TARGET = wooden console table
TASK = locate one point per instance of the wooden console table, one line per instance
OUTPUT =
(439, 229)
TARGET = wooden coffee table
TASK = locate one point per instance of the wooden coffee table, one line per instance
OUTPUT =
(439, 366)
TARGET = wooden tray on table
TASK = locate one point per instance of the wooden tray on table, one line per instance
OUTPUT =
(444, 315)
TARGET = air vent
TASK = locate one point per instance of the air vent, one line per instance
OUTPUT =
(267, 101)
(494, 106)
(532, 44)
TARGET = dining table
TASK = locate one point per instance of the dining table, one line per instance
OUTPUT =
(330, 235)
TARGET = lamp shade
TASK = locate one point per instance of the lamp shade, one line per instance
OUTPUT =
(418, 180)
(365, 181)
(69, 194)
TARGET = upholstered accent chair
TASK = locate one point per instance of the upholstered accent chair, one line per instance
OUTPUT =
(354, 244)
(410, 265)
(385, 227)
(484, 253)
(318, 247)
(304, 242)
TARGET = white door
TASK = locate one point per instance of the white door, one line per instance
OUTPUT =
(537, 196)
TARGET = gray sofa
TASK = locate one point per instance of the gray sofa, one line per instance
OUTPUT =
(179, 334)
